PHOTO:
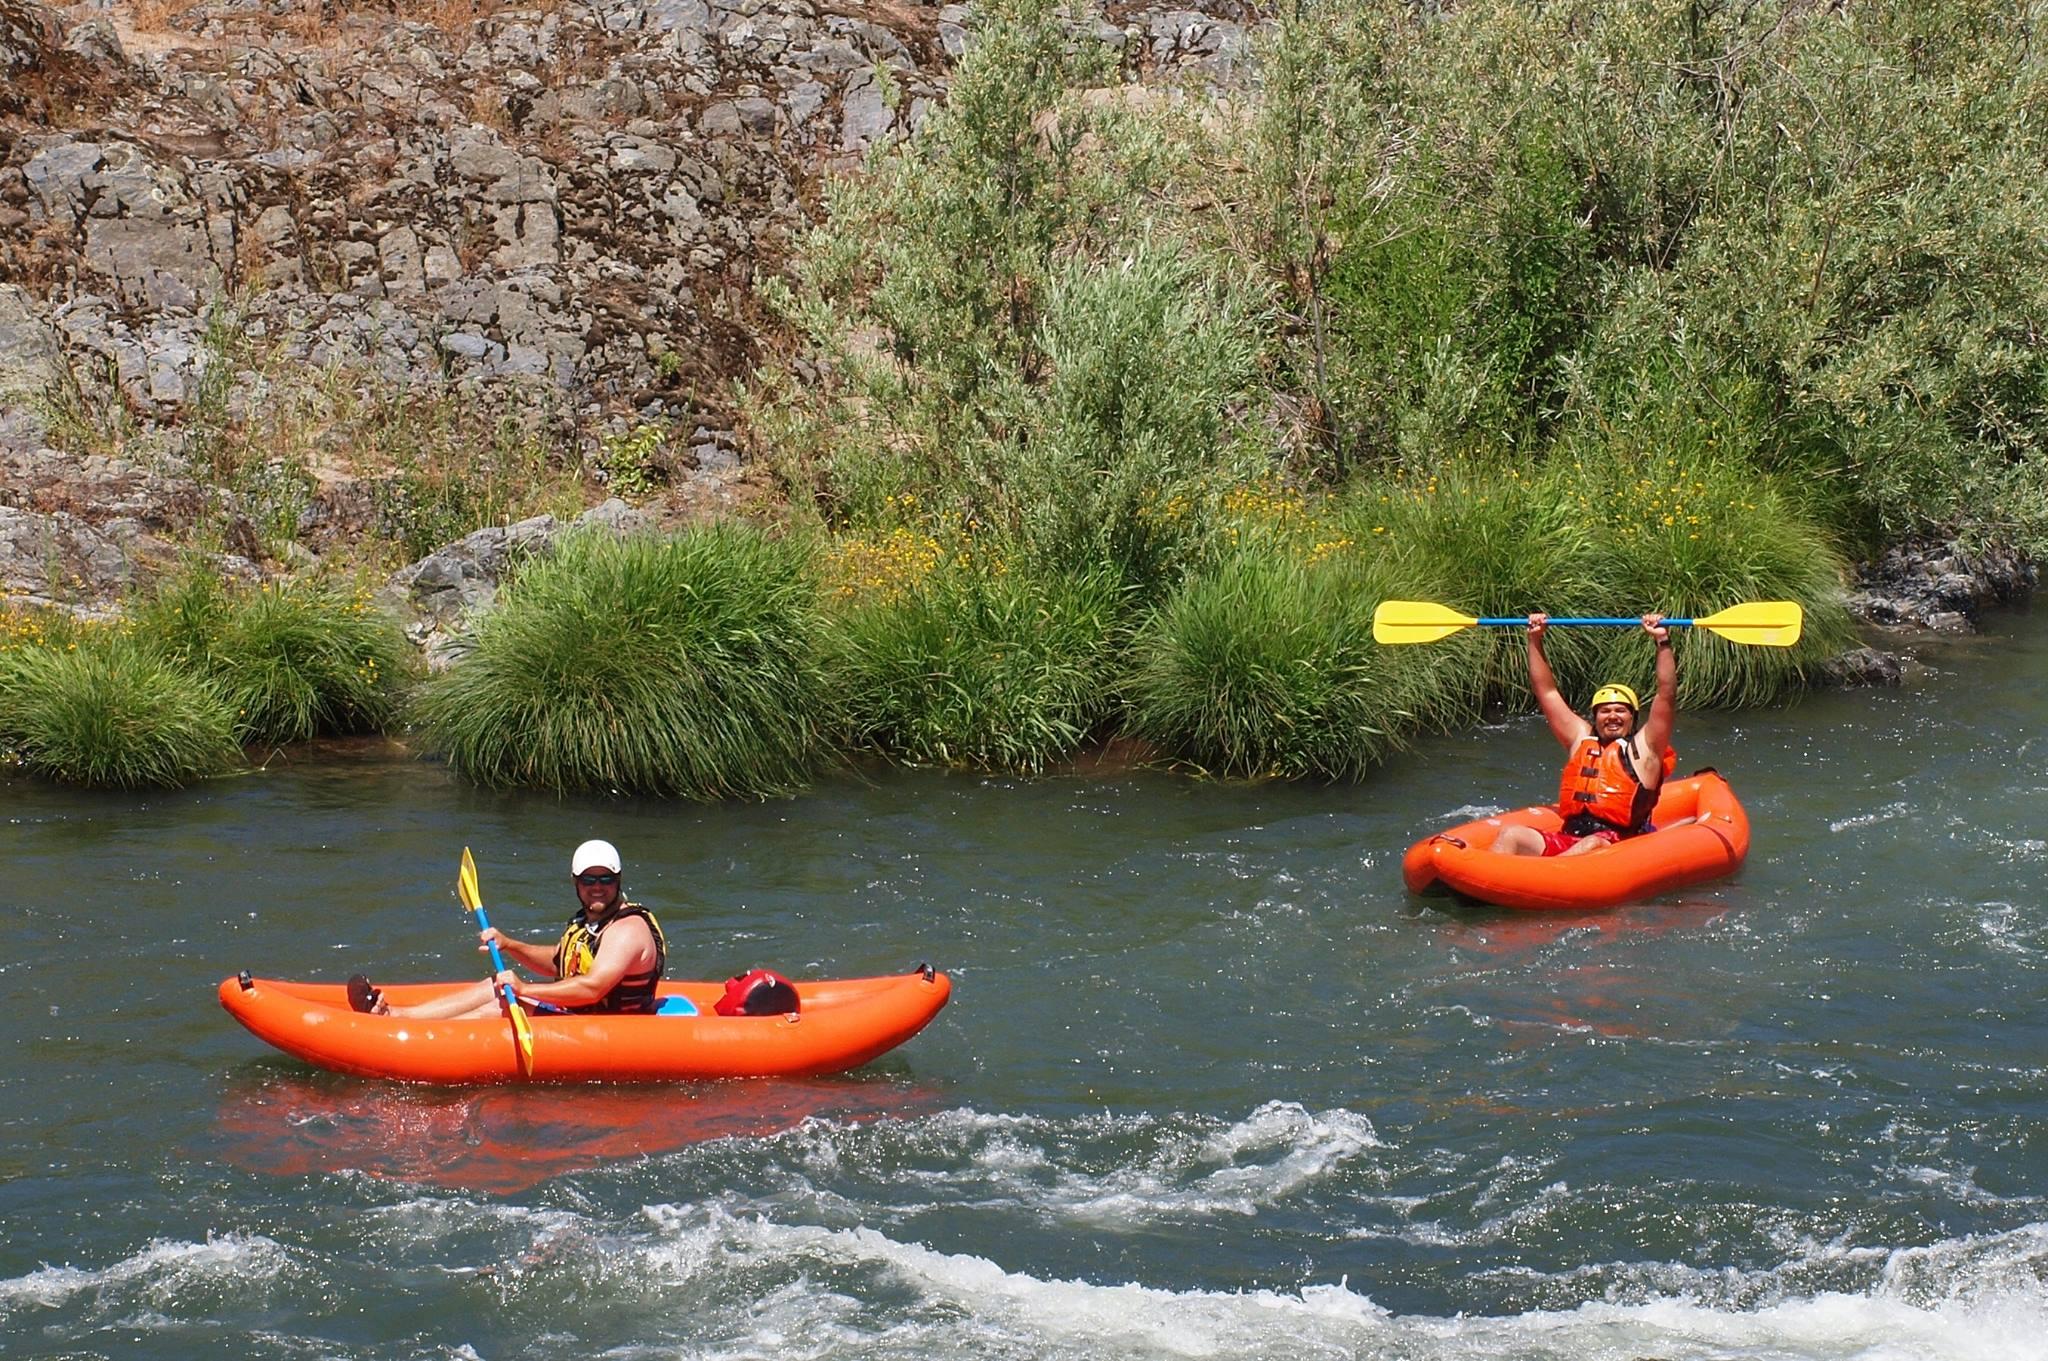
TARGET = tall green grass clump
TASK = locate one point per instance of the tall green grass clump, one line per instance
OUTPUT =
(296, 658)
(1605, 530)
(643, 665)
(1488, 535)
(1265, 666)
(975, 664)
(1687, 534)
(107, 710)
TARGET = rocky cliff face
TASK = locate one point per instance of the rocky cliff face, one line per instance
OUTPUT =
(561, 204)
(559, 192)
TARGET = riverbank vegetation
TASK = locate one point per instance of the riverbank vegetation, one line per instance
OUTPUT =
(1122, 405)
(295, 659)
(196, 674)
(666, 666)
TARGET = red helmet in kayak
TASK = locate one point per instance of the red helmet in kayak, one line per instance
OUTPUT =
(758, 992)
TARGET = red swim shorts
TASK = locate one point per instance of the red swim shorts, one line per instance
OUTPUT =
(1557, 843)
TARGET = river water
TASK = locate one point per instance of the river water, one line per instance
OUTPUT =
(1210, 1085)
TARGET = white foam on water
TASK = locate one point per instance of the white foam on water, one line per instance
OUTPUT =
(1309, 1145)
(1101, 1169)
(2005, 927)
(1961, 1300)
(1888, 813)
(2019, 848)
(987, 1304)
(159, 1272)
(1472, 812)
(1433, 1233)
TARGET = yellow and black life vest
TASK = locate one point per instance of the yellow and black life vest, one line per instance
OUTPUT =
(576, 952)
(1600, 790)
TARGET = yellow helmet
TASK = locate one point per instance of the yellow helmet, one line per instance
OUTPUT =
(1616, 693)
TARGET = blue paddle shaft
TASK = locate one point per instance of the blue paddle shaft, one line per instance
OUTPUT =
(1604, 623)
(483, 923)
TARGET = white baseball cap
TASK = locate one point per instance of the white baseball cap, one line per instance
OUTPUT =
(600, 855)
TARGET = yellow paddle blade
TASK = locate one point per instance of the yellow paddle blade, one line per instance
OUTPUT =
(1416, 621)
(1764, 623)
(465, 883)
(522, 1036)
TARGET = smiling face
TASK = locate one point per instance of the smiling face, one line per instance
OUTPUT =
(597, 889)
(1613, 720)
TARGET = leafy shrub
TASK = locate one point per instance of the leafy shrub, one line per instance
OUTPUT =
(998, 333)
(1501, 220)
(1145, 359)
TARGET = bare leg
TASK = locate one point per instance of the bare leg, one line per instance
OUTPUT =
(1585, 844)
(1518, 841)
(478, 999)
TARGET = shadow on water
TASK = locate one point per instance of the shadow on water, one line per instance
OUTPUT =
(504, 1140)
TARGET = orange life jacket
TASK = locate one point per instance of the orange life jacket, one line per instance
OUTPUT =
(1599, 790)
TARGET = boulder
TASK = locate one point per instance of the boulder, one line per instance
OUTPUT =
(31, 354)
(1940, 585)
(434, 595)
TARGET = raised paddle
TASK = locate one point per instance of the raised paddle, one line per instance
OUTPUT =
(474, 901)
(1765, 623)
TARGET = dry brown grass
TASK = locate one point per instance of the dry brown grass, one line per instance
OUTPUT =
(159, 16)
(456, 17)
(40, 256)
(475, 239)
(312, 23)
(488, 107)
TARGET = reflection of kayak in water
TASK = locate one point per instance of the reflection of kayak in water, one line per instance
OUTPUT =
(506, 1139)
(839, 1024)
(1712, 844)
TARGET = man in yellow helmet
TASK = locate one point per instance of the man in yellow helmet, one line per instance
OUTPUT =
(1614, 769)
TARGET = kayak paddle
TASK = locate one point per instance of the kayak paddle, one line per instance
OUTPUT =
(1767, 623)
(474, 901)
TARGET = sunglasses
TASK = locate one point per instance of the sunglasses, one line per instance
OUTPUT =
(605, 878)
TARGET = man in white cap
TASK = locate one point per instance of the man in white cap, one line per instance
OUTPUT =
(609, 957)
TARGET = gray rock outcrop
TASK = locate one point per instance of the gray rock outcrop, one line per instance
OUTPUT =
(561, 196)
(433, 596)
(1939, 585)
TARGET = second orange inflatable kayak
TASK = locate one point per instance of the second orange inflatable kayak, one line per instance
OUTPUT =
(839, 1024)
(1461, 860)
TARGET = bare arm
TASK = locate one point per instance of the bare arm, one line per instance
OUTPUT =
(1655, 738)
(621, 945)
(539, 958)
(1565, 723)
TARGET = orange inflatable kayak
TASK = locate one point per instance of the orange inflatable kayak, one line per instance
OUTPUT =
(839, 1024)
(1461, 860)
